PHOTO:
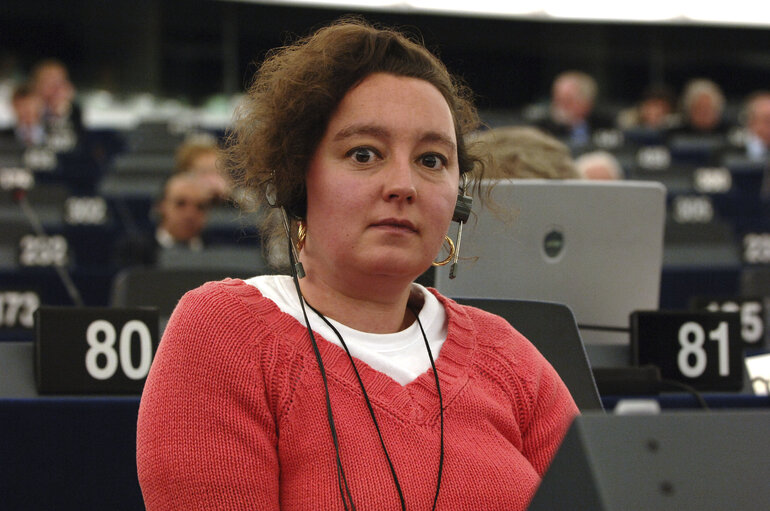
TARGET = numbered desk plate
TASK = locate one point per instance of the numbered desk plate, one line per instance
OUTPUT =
(86, 350)
(701, 349)
(756, 248)
(752, 312)
(17, 313)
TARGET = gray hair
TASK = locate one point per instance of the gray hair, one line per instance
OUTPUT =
(698, 87)
(586, 84)
(603, 158)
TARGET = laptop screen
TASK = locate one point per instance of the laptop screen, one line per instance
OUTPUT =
(596, 246)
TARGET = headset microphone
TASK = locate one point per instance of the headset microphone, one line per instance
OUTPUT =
(461, 214)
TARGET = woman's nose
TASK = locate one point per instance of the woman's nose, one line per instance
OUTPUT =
(399, 181)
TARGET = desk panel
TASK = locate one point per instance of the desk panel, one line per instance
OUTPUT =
(69, 454)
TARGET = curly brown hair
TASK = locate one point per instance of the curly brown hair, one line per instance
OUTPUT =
(297, 89)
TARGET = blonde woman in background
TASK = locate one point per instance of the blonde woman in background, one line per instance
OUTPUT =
(524, 152)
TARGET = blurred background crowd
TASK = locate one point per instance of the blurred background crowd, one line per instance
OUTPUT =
(125, 164)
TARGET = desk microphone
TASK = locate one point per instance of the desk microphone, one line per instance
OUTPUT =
(19, 196)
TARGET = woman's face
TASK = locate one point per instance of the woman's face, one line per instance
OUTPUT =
(382, 184)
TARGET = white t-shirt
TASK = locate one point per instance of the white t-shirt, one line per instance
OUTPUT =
(401, 355)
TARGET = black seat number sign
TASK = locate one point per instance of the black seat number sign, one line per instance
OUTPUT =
(17, 308)
(94, 349)
(701, 349)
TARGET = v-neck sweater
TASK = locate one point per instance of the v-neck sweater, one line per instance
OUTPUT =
(401, 355)
(233, 415)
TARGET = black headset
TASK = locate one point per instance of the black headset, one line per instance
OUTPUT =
(461, 214)
(464, 203)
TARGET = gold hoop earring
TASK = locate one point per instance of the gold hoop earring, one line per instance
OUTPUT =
(451, 252)
(301, 234)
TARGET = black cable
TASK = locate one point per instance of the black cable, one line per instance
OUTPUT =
(341, 479)
(61, 270)
(440, 408)
(687, 388)
(603, 328)
(368, 405)
(374, 418)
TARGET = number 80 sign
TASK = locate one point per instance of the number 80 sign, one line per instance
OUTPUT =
(702, 349)
(94, 349)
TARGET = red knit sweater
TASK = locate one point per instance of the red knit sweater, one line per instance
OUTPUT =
(233, 415)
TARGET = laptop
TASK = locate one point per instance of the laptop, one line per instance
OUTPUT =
(596, 246)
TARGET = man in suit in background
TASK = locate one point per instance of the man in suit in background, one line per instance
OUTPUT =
(29, 130)
(572, 115)
(758, 126)
(183, 211)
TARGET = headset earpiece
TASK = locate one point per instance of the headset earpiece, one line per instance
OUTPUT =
(462, 208)
(461, 214)
(464, 203)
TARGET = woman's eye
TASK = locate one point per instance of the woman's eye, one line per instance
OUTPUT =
(433, 161)
(362, 154)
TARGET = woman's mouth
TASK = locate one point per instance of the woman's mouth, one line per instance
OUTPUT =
(396, 224)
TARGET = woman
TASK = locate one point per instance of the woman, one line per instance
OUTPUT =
(357, 133)
(524, 152)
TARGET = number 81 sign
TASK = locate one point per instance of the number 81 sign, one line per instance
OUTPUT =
(702, 349)
(94, 349)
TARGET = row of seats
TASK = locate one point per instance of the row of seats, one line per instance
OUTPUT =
(87, 200)
(711, 211)
(83, 232)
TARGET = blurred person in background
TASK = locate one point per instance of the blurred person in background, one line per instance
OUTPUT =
(61, 114)
(757, 113)
(29, 130)
(572, 116)
(599, 165)
(182, 210)
(524, 152)
(199, 155)
(757, 145)
(703, 105)
(655, 111)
